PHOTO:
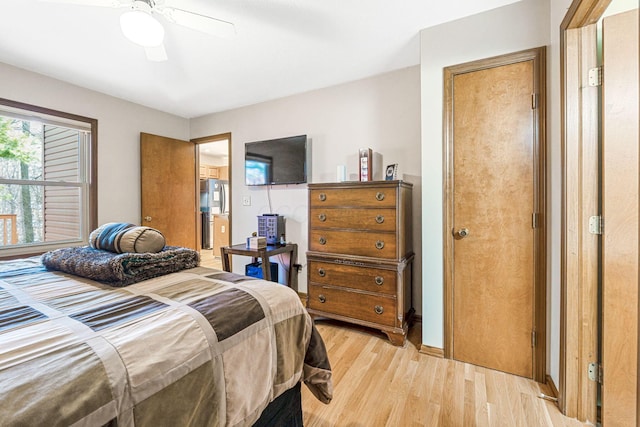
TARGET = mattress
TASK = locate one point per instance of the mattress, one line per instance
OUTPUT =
(199, 347)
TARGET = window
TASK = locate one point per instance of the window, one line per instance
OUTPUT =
(47, 179)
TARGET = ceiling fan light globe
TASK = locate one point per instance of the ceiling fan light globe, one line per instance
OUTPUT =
(141, 28)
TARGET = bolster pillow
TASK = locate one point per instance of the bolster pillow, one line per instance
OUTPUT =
(122, 237)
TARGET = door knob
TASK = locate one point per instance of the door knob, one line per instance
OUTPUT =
(462, 233)
(147, 218)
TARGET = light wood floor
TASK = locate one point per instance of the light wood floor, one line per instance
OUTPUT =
(377, 384)
(208, 260)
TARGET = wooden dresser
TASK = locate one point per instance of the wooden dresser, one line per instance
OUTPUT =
(360, 254)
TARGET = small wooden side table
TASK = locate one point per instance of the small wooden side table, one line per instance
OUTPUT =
(264, 254)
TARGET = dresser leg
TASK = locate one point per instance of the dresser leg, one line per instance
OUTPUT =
(396, 338)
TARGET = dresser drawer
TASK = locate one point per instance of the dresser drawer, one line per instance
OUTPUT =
(383, 219)
(371, 308)
(361, 197)
(359, 243)
(353, 276)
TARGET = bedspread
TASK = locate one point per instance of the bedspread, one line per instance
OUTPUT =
(200, 347)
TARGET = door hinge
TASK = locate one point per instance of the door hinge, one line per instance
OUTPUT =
(534, 339)
(534, 220)
(534, 101)
(596, 224)
(595, 372)
(595, 76)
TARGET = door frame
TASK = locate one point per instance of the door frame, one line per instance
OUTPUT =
(577, 395)
(204, 140)
(538, 55)
(579, 127)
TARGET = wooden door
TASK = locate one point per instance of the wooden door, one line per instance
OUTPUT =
(495, 220)
(168, 188)
(620, 176)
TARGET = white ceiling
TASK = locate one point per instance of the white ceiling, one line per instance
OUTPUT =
(282, 47)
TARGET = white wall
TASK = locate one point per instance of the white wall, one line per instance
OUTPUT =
(119, 126)
(381, 112)
(519, 26)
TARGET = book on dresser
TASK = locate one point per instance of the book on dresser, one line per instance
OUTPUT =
(360, 254)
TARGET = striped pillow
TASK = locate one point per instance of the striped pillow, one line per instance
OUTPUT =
(121, 237)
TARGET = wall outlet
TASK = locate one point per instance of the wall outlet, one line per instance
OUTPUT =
(246, 200)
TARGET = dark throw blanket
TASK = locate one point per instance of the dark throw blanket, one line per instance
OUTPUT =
(120, 269)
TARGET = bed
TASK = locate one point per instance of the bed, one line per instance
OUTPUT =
(194, 347)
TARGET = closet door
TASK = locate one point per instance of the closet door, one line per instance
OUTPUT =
(620, 176)
(495, 214)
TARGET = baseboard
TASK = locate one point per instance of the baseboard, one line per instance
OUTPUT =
(431, 351)
(552, 386)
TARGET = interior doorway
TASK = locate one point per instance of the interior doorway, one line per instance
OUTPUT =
(600, 186)
(214, 196)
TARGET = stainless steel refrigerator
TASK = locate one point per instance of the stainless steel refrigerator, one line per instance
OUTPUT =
(213, 201)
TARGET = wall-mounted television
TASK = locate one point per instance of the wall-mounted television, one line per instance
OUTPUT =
(277, 161)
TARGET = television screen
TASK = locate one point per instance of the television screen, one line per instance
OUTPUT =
(276, 161)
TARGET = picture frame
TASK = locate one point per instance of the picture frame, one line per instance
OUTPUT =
(391, 172)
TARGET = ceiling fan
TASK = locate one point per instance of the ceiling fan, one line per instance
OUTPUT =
(138, 22)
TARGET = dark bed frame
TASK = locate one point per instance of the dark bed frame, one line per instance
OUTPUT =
(284, 411)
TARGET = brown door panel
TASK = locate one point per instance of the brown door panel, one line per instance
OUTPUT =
(168, 188)
(492, 201)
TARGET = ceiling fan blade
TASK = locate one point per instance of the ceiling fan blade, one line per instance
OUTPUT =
(101, 3)
(198, 22)
(156, 53)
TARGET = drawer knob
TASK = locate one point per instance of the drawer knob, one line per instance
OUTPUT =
(322, 217)
(378, 309)
(322, 241)
(379, 219)
(379, 280)
(322, 298)
(379, 196)
(322, 197)
(321, 272)
(379, 244)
